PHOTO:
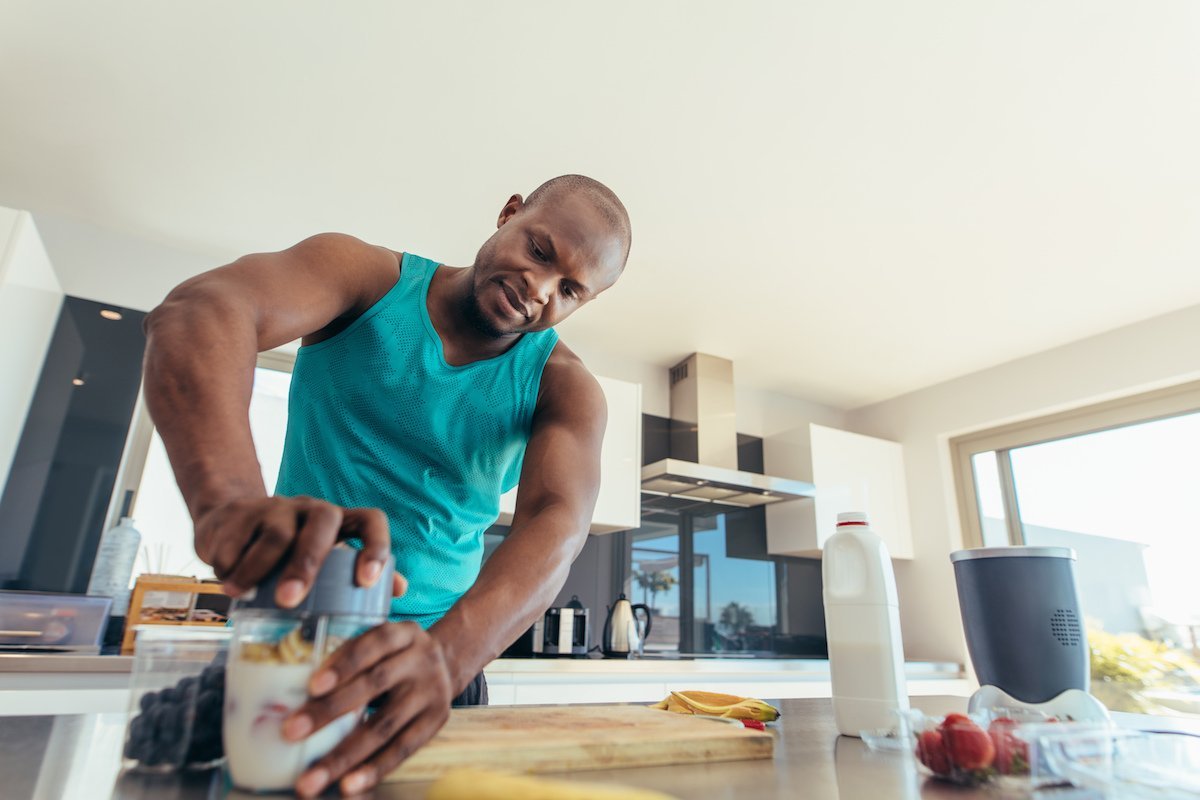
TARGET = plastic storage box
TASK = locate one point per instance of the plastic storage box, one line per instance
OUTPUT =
(47, 622)
(176, 696)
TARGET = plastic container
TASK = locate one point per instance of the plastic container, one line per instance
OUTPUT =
(176, 695)
(862, 625)
(47, 622)
(1119, 763)
(273, 654)
(1019, 752)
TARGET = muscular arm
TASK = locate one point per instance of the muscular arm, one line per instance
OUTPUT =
(559, 483)
(200, 355)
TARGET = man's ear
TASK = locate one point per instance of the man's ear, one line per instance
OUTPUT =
(514, 204)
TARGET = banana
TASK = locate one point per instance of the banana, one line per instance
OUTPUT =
(718, 705)
(479, 784)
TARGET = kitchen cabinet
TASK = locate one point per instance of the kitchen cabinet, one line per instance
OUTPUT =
(852, 472)
(618, 506)
(30, 299)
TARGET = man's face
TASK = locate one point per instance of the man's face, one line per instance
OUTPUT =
(542, 264)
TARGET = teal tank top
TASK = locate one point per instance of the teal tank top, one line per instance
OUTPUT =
(376, 417)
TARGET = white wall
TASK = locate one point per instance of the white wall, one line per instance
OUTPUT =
(1147, 355)
(112, 267)
(30, 299)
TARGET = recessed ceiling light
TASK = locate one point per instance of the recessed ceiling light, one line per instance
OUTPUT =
(109, 313)
(78, 381)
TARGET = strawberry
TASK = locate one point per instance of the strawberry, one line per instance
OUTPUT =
(953, 719)
(967, 745)
(932, 753)
(1012, 753)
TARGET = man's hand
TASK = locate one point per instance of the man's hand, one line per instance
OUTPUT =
(245, 539)
(406, 666)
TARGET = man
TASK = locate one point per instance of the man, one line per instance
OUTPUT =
(421, 392)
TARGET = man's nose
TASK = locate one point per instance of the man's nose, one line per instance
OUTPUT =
(538, 286)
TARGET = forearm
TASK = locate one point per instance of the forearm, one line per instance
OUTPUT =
(199, 374)
(516, 585)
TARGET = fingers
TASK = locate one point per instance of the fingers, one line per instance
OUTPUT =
(246, 539)
(402, 724)
(399, 584)
(223, 537)
(398, 660)
(350, 697)
(274, 530)
(316, 537)
(362, 653)
(370, 525)
(418, 732)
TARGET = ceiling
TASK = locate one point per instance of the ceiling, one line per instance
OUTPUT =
(851, 200)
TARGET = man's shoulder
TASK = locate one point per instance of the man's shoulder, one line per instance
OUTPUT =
(567, 380)
(363, 273)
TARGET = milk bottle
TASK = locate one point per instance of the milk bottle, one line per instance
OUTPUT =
(862, 624)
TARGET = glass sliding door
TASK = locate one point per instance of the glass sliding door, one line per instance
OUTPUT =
(734, 599)
(654, 580)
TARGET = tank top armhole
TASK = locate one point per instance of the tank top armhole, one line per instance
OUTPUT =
(382, 303)
(547, 344)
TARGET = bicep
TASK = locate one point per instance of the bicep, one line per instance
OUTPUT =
(294, 292)
(561, 470)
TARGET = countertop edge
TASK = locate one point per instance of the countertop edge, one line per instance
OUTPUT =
(761, 667)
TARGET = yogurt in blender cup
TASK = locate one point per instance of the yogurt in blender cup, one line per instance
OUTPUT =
(259, 695)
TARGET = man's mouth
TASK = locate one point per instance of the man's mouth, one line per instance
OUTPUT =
(511, 302)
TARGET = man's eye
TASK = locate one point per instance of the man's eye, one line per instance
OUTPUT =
(569, 291)
(537, 251)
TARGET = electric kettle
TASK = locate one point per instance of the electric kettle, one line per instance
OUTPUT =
(623, 636)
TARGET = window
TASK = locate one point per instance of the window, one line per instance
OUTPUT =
(734, 598)
(1118, 484)
(728, 602)
(161, 515)
(654, 581)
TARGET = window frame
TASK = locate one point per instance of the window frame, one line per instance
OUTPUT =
(1164, 403)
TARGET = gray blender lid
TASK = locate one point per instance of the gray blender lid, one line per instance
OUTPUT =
(333, 592)
(1012, 552)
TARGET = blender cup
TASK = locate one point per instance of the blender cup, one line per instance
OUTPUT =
(274, 652)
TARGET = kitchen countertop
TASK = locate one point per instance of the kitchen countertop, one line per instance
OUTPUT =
(76, 757)
(816, 667)
(76, 684)
(64, 662)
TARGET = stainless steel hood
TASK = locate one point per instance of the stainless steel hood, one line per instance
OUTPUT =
(702, 398)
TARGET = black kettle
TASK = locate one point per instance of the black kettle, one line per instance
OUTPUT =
(623, 635)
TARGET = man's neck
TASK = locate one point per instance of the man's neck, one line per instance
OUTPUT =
(462, 342)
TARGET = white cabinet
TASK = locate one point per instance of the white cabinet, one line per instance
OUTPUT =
(30, 299)
(852, 472)
(618, 506)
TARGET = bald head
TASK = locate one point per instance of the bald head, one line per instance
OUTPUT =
(599, 196)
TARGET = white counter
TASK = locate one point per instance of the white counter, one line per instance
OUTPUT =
(567, 680)
(92, 684)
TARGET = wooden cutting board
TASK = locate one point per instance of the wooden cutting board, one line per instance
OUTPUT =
(574, 738)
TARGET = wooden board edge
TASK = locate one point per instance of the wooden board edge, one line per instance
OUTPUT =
(749, 748)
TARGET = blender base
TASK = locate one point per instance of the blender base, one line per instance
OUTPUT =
(1073, 704)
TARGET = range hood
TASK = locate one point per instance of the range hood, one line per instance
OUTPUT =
(702, 399)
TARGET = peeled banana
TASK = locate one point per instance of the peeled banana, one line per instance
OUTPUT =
(479, 784)
(714, 704)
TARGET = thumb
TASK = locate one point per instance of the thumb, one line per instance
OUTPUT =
(399, 585)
